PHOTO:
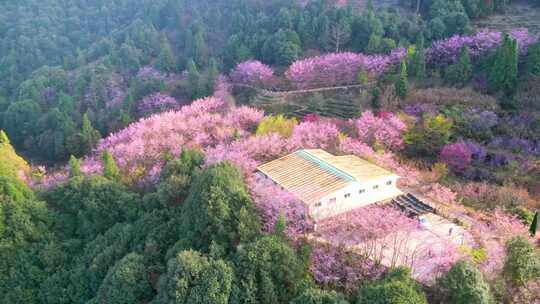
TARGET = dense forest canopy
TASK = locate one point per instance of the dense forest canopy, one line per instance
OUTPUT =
(130, 132)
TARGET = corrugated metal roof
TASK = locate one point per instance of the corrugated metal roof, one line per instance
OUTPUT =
(313, 174)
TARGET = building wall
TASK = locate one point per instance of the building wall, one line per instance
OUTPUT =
(351, 197)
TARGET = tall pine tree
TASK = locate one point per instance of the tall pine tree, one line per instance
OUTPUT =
(504, 69)
(166, 61)
(110, 169)
(418, 60)
(402, 83)
(533, 59)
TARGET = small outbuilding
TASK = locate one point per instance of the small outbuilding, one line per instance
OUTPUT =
(330, 185)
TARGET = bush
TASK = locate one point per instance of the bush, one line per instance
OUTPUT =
(464, 284)
(318, 296)
(522, 261)
(277, 124)
(126, 282)
(397, 287)
(194, 278)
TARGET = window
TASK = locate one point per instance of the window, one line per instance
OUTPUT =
(376, 187)
(389, 182)
(332, 200)
(318, 204)
(361, 191)
(347, 195)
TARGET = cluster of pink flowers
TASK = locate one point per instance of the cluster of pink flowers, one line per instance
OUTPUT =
(383, 130)
(142, 146)
(340, 268)
(273, 202)
(157, 102)
(319, 134)
(482, 43)
(253, 72)
(386, 236)
(457, 156)
(492, 234)
(439, 193)
(339, 68)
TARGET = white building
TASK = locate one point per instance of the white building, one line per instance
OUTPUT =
(329, 184)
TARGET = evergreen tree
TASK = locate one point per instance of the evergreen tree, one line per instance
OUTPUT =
(461, 72)
(3, 137)
(396, 287)
(110, 169)
(376, 99)
(534, 224)
(212, 77)
(464, 284)
(82, 142)
(193, 79)
(522, 261)
(533, 59)
(418, 60)
(166, 61)
(402, 84)
(196, 48)
(74, 166)
(504, 69)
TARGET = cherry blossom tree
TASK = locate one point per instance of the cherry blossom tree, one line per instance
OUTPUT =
(253, 72)
(383, 130)
(457, 156)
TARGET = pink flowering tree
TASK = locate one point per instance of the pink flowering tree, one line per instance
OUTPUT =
(383, 130)
(482, 43)
(157, 102)
(309, 135)
(253, 72)
(274, 202)
(457, 156)
(387, 237)
(491, 233)
(338, 267)
(142, 148)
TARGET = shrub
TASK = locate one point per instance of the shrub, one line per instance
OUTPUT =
(464, 284)
(522, 262)
(318, 296)
(277, 124)
(397, 287)
(194, 278)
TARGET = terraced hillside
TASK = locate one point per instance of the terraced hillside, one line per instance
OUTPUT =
(518, 14)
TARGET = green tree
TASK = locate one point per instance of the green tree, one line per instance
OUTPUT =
(464, 284)
(87, 206)
(74, 166)
(534, 224)
(428, 137)
(177, 175)
(318, 296)
(504, 69)
(126, 282)
(397, 287)
(110, 169)
(522, 261)
(195, 46)
(461, 72)
(418, 60)
(269, 271)
(402, 84)
(197, 279)
(82, 142)
(166, 61)
(212, 76)
(193, 80)
(219, 210)
(533, 59)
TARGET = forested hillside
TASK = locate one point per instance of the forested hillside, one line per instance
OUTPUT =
(131, 130)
